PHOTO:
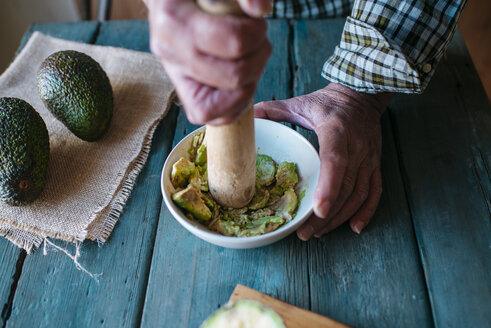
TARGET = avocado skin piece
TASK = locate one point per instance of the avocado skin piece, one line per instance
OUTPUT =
(24, 152)
(77, 91)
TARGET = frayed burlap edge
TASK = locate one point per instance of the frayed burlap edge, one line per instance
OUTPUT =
(29, 238)
(108, 216)
(20, 239)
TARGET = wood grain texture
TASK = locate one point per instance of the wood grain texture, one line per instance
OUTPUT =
(52, 292)
(373, 279)
(81, 31)
(292, 316)
(444, 137)
(10, 267)
(125, 34)
(275, 82)
(440, 141)
(190, 278)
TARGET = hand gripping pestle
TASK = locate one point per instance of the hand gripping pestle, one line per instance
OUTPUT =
(231, 148)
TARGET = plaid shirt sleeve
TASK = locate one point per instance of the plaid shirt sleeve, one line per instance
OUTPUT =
(392, 45)
(387, 45)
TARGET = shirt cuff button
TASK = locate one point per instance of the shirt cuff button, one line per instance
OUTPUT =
(427, 68)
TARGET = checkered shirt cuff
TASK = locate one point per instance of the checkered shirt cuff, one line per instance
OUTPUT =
(365, 61)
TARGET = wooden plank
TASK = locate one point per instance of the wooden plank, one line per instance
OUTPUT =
(444, 137)
(275, 82)
(373, 279)
(52, 292)
(117, 34)
(12, 258)
(190, 278)
(80, 31)
(292, 316)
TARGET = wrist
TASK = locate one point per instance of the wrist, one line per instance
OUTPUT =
(377, 102)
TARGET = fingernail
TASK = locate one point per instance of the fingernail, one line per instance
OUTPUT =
(358, 227)
(305, 232)
(322, 208)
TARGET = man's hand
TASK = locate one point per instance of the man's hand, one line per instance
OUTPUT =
(347, 124)
(214, 62)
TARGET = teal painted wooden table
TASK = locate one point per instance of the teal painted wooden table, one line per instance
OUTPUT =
(424, 260)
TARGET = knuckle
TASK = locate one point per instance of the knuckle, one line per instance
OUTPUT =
(359, 145)
(197, 113)
(337, 125)
(168, 10)
(194, 120)
(378, 189)
(362, 193)
(237, 75)
(204, 114)
(197, 117)
(164, 18)
(236, 43)
(159, 50)
(349, 182)
(365, 165)
(370, 211)
(338, 158)
(331, 199)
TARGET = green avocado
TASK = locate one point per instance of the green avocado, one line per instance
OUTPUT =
(77, 91)
(24, 152)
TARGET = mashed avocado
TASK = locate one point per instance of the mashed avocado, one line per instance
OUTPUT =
(274, 203)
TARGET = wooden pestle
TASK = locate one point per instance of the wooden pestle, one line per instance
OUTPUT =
(231, 148)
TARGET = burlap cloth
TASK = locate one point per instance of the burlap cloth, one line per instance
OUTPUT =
(88, 183)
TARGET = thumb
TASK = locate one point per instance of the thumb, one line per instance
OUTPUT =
(255, 8)
(272, 110)
(289, 110)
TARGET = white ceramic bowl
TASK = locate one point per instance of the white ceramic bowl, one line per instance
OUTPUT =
(273, 139)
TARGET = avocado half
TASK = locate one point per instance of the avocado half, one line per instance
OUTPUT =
(77, 91)
(24, 152)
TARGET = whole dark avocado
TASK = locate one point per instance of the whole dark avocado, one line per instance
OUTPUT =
(77, 91)
(24, 152)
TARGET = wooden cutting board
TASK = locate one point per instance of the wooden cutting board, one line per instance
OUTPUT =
(293, 317)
